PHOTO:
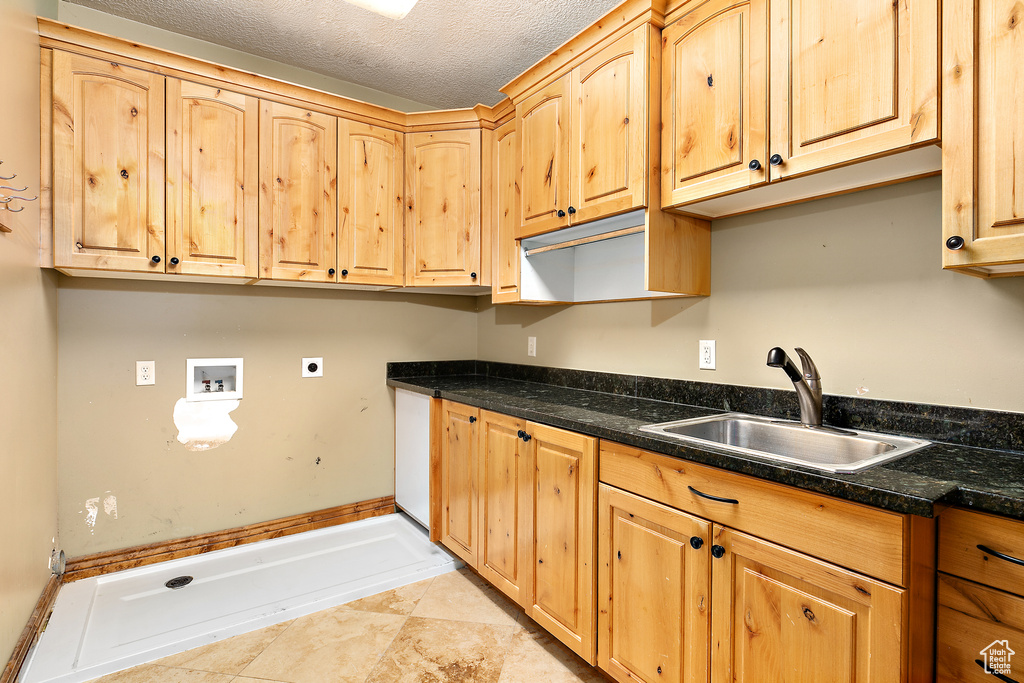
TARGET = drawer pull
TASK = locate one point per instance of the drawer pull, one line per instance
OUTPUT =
(1001, 677)
(717, 499)
(993, 553)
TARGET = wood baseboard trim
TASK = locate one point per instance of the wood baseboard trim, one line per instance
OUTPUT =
(139, 556)
(33, 628)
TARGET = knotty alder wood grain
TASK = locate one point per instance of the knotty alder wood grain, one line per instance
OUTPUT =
(654, 590)
(960, 534)
(459, 481)
(443, 204)
(212, 181)
(108, 165)
(715, 101)
(505, 285)
(971, 617)
(543, 121)
(371, 245)
(298, 194)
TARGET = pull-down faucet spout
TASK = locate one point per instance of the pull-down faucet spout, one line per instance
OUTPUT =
(807, 384)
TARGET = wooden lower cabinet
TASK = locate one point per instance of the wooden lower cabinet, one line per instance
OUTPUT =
(654, 587)
(518, 505)
(459, 504)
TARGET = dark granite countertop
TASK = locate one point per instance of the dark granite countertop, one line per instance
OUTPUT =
(948, 473)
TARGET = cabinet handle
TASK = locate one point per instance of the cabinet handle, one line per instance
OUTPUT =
(754, 165)
(561, 214)
(155, 259)
(1001, 556)
(472, 419)
(344, 272)
(572, 211)
(330, 271)
(174, 260)
(718, 551)
(696, 542)
(472, 276)
(955, 243)
(1001, 677)
(775, 160)
(717, 499)
(526, 437)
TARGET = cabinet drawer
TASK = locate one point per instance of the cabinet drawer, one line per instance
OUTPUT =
(960, 534)
(858, 537)
(972, 617)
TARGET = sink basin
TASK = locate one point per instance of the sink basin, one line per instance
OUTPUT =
(840, 451)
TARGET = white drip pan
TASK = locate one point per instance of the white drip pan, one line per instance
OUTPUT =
(113, 622)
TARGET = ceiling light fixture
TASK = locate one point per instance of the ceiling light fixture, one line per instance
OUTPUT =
(392, 9)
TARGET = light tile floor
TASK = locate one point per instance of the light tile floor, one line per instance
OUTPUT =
(454, 628)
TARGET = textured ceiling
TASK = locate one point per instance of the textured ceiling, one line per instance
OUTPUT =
(445, 53)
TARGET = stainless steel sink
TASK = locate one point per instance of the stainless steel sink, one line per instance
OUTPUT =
(832, 450)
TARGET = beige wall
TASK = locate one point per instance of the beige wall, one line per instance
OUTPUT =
(117, 439)
(28, 341)
(86, 17)
(855, 280)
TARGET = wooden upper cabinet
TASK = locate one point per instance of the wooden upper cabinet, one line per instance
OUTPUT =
(442, 193)
(983, 137)
(371, 163)
(778, 615)
(715, 101)
(298, 194)
(654, 588)
(212, 181)
(108, 165)
(505, 283)
(609, 129)
(850, 80)
(562, 471)
(583, 139)
(543, 129)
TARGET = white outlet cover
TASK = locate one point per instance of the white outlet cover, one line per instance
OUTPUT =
(706, 359)
(145, 372)
(308, 363)
(531, 346)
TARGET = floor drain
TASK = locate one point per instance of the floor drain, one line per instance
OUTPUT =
(179, 582)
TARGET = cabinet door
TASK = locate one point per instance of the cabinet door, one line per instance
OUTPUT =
(778, 615)
(371, 162)
(212, 171)
(654, 591)
(608, 168)
(108, 165)
(459, 504)
(298, 194)
(543, 120)
(505, 287)
(850, 80)
(442, 177)
(504, 505)
(563, 482)
(715, 101)
(983, 135)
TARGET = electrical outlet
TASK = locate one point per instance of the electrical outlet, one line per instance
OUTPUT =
(531, 346)
(707, 354)
(145, 372)
(312, 367)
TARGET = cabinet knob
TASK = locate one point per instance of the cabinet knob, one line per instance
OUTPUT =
(696, 542)
(524, 436)
(718, 551)
(572, 210)
(521, 434)
(775, 160)
(561, 214)
(754, 165)
(472, 419)
(124, 173)
(344, 272)
(155, 259)
(472, 276)
(330, 271)
(174, 261)
(955, 243)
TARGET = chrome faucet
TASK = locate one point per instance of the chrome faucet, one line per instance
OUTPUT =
(808, 384)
